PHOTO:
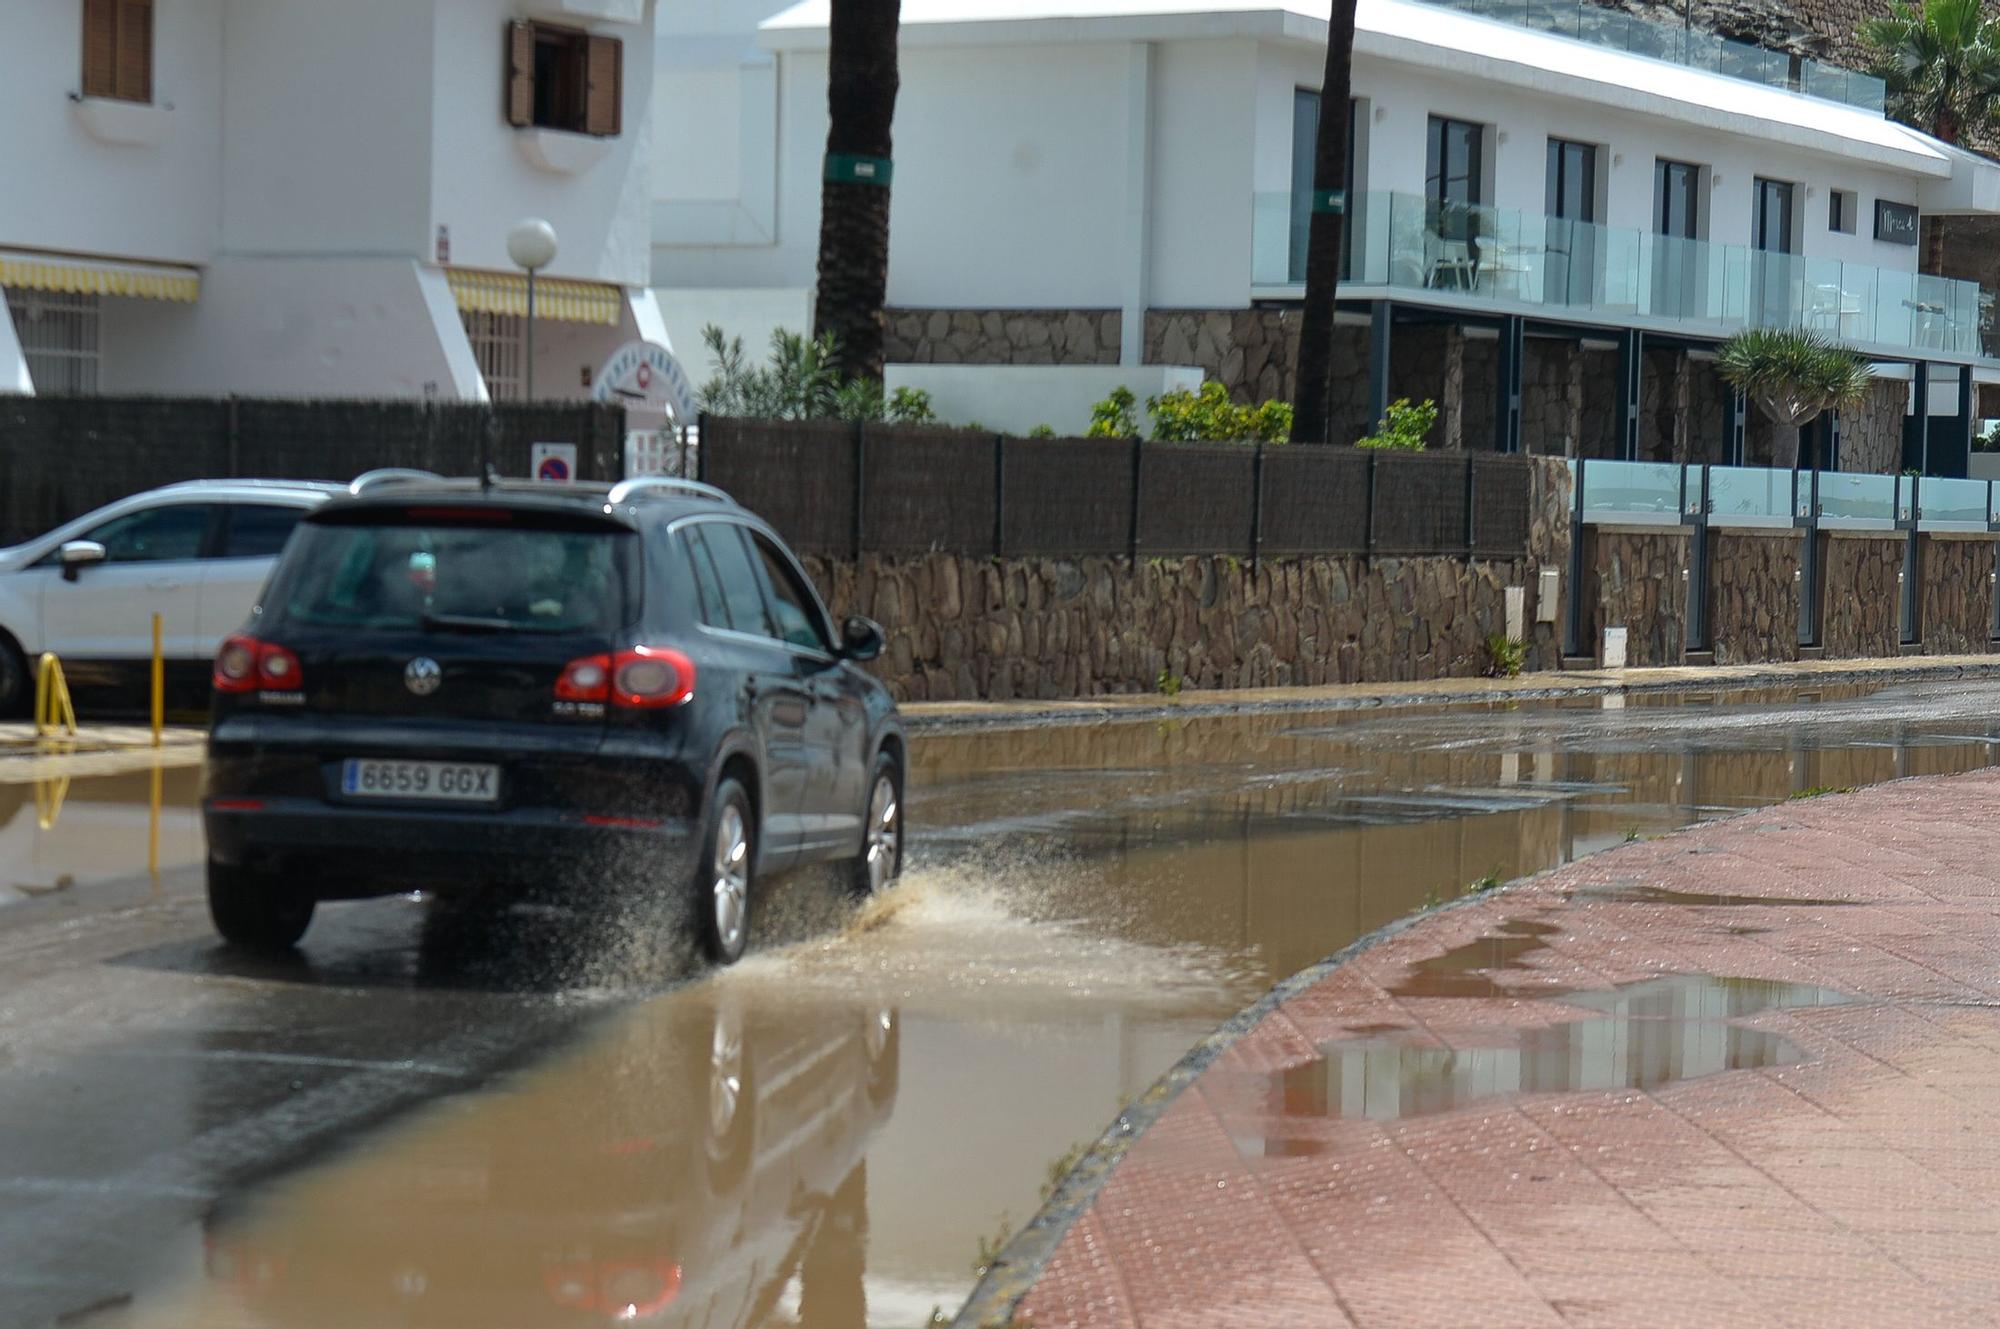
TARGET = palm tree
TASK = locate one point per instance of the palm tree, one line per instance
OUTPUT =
(854, 198)
(1314, 377)
(1792, 374)
(1941, 63)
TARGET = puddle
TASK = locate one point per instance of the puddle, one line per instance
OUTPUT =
(1086, 902)
(1647, 1034)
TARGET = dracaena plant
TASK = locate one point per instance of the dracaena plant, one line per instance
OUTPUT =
(1792, 374)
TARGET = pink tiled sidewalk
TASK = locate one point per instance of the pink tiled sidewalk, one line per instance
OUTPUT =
(1853, 1181)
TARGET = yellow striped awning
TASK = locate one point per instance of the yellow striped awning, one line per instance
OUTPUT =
(555, 297)
(89, 276)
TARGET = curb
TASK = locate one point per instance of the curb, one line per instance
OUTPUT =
(998, 715)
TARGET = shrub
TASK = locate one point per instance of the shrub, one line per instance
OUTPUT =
(1042, 431)
(1209, 416)
(911, 406)
(1504, 655)
(1112, 417)
(799, 382)
(1404, 427)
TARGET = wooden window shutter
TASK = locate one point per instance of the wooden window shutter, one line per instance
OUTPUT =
(135, 50)
(100, 48)
(605, 93)
(520, 74)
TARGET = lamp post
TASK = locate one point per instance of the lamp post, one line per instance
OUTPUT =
(531, 243)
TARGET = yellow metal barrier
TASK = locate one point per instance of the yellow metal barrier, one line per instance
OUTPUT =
(159, 684)
(53, 710)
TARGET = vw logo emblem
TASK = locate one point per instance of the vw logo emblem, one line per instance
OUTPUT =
(422, 676)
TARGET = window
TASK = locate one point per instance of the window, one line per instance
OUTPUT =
(258, 530)
(1571, 270)
(1680, 262)
(155, 535)
(1840, 211)
(58, 336)
(563, 78)
(791, 605)
(496, 348)
(735, 578)
(1572, 182)
(118, 49)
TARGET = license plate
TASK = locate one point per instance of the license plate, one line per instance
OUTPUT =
(421, 781)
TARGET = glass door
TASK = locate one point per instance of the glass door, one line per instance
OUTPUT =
(1570, 271)
(1678, 276)
(1453, 193)
(1772, 265)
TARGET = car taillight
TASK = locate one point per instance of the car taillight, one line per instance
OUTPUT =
(651, 677)
(245, 664)
(642, 678)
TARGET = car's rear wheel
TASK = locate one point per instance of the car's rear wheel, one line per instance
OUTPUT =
(722, 884)
(255, 912)
(881, 858)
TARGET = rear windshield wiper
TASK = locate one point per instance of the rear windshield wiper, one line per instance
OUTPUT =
(472, 623)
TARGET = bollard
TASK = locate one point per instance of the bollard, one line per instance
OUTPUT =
(159, 684)
(52, 705)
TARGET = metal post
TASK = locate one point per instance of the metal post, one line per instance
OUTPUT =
(1735, 425)
(530, 390)
(1917, 436)
(1696, 633)
(701, 446)
(1471, 497)
(1380, 328)
(1507, 388)
(1573, 626)
(1132, 532)
(860, 484)
(1256, 506)
(1631, 370)
(999, 494)
(1373, 458)
(159, 682)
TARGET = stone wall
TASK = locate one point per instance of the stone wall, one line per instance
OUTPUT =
(1004, 337)
(1859, 612)
(1753, 595)
(964, 628)
(1637, 582)
(1955, 599)
(1252, 352)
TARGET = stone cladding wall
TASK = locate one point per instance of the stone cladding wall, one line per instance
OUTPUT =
(1955, 601)
(1753, 595)
(1002, 336)
(1636, 583)
(1871, 435)
(1859, 616)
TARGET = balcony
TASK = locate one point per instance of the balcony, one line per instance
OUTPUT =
(1581, 20)
(1509, 261)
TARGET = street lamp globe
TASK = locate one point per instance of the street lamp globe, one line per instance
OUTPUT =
(531, 243)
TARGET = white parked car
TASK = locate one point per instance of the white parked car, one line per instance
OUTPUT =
(196, 553)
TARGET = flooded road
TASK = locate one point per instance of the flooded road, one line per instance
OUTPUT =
(832, 1133)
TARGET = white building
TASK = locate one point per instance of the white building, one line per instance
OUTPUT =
(282, 197)
(1112, 183)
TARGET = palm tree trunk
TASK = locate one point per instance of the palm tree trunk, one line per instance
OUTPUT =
(854, 198)
(1313, 381)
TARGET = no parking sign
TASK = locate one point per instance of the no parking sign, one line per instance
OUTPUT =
(554, 463)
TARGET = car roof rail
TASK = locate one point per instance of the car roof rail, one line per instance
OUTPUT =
(627, 489)
(388, 475)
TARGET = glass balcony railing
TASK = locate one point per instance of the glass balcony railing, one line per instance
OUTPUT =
(1584, 21)
(1855, 501)
(1749, 496)
(1952, 505)
(1639, 493)
(1500, 256)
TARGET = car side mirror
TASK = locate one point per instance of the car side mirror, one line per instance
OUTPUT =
(76, 555)
(860, 638)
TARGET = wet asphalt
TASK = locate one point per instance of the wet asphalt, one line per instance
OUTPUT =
(830, 1136)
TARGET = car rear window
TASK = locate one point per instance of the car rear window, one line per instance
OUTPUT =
(413, 576)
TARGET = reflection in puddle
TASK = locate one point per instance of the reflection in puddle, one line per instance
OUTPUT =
(58, 832)
(1649, 1034)
(1465, 971)
(1661, 895)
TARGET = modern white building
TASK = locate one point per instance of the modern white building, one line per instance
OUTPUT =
(290, 198)
(1555, 210)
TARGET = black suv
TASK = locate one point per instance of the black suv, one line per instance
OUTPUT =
(491, 688)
